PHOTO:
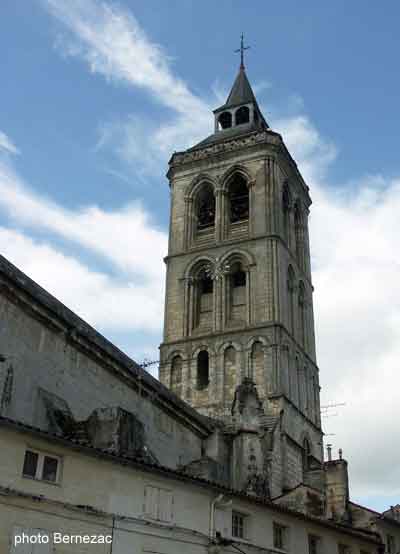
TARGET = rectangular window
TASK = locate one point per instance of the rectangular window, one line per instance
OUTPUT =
(44, 467)
(280, 536)
(238, 525)
(314, 544)
(158, 503)
(30, 463)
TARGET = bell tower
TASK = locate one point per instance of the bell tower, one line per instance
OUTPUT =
(238, 288)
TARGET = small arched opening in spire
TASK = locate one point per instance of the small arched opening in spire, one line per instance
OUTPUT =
(225, 120)
(242, 115)
(238, 199)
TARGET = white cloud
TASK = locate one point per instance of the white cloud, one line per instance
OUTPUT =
(105, 302)
(6, 144)
(110, 40)
(122, 239)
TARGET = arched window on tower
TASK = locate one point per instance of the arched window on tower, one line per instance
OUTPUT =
(306, 456)
(205, 300)
(302, 314)
(237, 293)
(298, 230)
(290, 297)
(225, 120)
(242, 115)
(238, 193)
(203, 370)
(286, 214)
(205, 208)
(176, 375)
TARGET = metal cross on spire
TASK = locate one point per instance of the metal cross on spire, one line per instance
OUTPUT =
(241, 50)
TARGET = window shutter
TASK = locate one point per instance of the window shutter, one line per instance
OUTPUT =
(165, 506)
(151, 501)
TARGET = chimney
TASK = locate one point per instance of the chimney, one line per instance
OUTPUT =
(337, 488)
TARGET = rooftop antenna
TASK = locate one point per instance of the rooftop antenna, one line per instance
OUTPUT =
(241, 50)
(325, 409)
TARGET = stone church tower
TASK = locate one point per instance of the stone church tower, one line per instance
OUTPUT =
(238, 289)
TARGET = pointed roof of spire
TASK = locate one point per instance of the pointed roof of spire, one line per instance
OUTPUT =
(241, 92)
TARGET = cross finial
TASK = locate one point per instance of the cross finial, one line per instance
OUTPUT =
(241, 50)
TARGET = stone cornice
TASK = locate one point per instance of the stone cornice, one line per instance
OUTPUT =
(254, 138)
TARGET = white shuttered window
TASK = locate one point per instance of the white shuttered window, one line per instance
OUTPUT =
(158, 503)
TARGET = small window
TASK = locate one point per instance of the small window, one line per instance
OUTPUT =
(203, 370)
(242, 115)
(238, 525)
(314, 544)
(30, 464)
(41, 466)
(225, 120)
(280, 536)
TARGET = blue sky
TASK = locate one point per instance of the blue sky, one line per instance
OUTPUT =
(95, 97)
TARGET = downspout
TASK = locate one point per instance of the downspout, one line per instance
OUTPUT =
(212, 513)
(112, 534)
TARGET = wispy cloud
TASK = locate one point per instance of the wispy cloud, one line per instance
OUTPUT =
(112, 43)
(123, 237)
(6, 144)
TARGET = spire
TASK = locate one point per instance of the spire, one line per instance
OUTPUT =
(241, 92)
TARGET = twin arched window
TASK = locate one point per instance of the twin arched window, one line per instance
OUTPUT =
(241, 116)
(232, 297)
(236, 210)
